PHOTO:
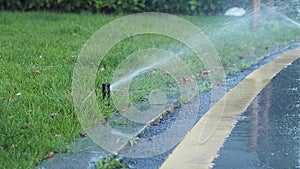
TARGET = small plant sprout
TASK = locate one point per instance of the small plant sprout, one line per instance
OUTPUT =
(111, 163)
(133, 140)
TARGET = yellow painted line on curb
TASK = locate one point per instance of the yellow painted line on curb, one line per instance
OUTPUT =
(193, 154)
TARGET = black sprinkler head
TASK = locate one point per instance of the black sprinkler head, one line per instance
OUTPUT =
(106, 91)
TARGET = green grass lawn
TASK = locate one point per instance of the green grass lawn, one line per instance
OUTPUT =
(37, 56)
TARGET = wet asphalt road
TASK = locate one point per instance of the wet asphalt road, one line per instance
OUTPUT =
(268, 134)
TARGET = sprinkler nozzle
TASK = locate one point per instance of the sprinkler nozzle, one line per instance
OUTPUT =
(106, 91)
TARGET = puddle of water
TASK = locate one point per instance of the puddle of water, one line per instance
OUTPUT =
(268, 134)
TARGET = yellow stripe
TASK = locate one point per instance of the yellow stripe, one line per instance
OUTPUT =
(191, 152)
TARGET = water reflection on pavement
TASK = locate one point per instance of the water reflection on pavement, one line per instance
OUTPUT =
(268, 133)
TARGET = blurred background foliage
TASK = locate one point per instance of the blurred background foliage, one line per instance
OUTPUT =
(190, 7)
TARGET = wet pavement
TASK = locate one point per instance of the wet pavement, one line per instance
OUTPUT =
(267, 135)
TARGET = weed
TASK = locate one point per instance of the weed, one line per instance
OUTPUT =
(133, 140)
(111, 163)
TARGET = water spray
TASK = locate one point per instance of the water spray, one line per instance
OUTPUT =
(106, 92)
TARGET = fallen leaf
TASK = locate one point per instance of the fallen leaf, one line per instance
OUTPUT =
(152, 72)
(242, 57)
(83, 134)
(181, 81)
(68, 100)
(188, 79)
(36, 72)
(104, 122)
(57, 136)
(206, 72)
(14, 87)
(17, 96)
(53, 115)
(65, 90)
(26, 126)
(167, 73)
(125, 89)
(218, 68)
(155, 122)
(50, 154)
(169, 110)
